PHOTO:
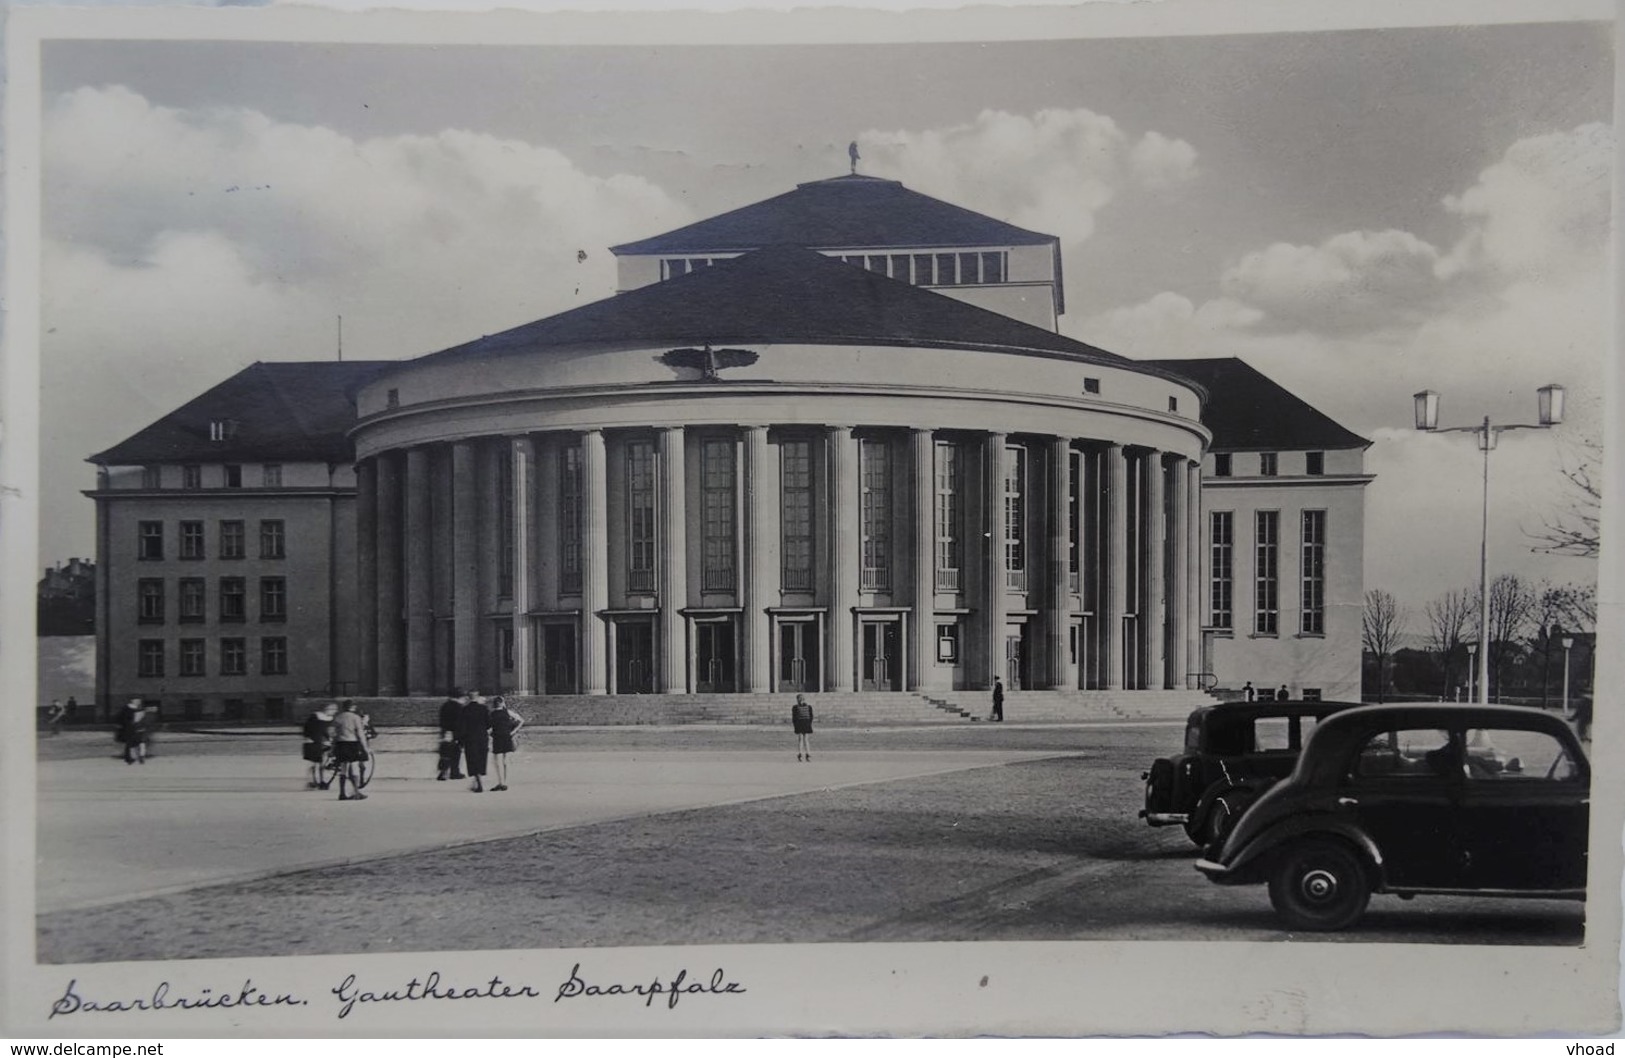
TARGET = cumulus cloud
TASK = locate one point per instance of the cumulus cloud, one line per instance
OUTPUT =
(1355, 281)
(1162, 162)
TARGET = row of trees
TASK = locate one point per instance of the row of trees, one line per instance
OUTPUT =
(1527, 623)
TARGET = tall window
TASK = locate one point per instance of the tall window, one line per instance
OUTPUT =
(273, 599)
(191, 657)
(717, 503)
(1314, 463)
(149, 541)
(505, 526)
(1015, 518)
(233, 599)
(271, 475)
(191, 539)
(271, 538)
(149, 660)
(1266, 569)
(948, 546)
(1269, 464)
(231, 539)
(1221, 540)
(570, 520)
(796, 514)
(1314, 573)
(233, 656)
(640, 516)
(192, 592)
(150, 591)
(152, 477)
(874, 514)
(234, 476)
(192, 476)
(273, 656)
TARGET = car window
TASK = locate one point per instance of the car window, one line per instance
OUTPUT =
(1193, 737)
(1228, 737)
(1530, 756)
(1418, 753)
(1272, 733)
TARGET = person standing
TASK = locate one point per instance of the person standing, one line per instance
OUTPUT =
(998, 700)
(1248, 693)
(318, 740)
(476, 739)
(53, 716)
(1283, 695)
(350, 750)
(133, 731)
(505, 724)
(451, 750)
(73, 710)
(801, 721)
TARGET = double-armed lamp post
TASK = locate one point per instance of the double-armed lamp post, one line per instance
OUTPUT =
(1550, 399)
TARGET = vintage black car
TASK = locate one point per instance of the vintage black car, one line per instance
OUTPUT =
(1416, 799)
(1233, 752)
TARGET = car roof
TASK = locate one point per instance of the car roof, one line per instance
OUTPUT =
(1325, 750)
(1244, 710)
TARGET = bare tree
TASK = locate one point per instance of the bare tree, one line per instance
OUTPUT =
(1449, 616)
(1577, 530)
(1512, 607)
(1381, 624)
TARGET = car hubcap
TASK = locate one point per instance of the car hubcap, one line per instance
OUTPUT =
(1319, 885)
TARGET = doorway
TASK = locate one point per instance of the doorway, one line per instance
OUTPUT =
(559, 659)
(798, 656)
(714, 657)
(1015, 657)
(634, 657)
(880, 655)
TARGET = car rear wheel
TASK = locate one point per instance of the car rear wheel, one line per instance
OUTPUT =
(1321, 885)
(1159, 787)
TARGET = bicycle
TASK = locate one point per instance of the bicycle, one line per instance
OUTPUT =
(329, 768)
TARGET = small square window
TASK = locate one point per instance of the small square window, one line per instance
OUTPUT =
(192, 476)
(1314, 463)
(947, 643)
(1221, 464)
(1268, 464)
(1091, 385)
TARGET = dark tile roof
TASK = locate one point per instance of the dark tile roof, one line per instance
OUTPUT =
(782, 295)
(846, 212)
(284, 411)
(1248, 411)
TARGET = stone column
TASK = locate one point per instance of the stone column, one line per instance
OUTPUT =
(1193, 562)
(844, 557)
(593, 635)
(391, 652)
(993, 579)
(1154, 608)
(1058, 589)
(673, 563)
(762, 545)
(524, 667)
(441, 604)
(366, 544)
(416, 531)
(1116, 565)
(465, 567)
(1179, 575)
(925, 557)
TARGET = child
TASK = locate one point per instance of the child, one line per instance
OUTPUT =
(505, 724)
(801, 719)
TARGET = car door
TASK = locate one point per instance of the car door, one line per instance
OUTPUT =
(1524, 812)
(1402, 789)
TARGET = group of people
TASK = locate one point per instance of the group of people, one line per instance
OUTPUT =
(132, 728)
(57, 714)
(475, 733)
(1251, 694)
(347, 733)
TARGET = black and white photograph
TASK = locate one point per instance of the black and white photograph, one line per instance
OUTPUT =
(1074, 521)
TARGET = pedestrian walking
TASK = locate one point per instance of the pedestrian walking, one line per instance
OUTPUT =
(998, 700)
(1249, 693)
(53, 716)
(1283, 695)
(451, 750)
(350, 750)
(801, 721)
(476, 739)
(318, 740)
(133, 731)
(505, 724)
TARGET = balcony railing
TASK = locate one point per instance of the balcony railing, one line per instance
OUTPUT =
(1015, 579)
(947, 580)
(640, 580)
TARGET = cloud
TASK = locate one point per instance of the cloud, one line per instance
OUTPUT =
(1162, 162)
(1355, 281)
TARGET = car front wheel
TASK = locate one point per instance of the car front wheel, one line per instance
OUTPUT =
(1319, 885)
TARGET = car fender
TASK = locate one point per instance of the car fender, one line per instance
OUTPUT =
(1256, 856)
(1250, 788)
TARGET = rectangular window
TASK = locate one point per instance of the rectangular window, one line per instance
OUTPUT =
(233, 599)
(233, 656)
(1221, 541)
(900, 267)
(673, 267)
(234, 476)
(874, 513)
(505, 526)
(1314, 463)
(149, 541)
(717, 504)
(271, 475)
(993, 267)
(970, 268)
(273, 656)
(505, 646)
(231, 539)
(640, 517)
(796, 514)
(1221, 464)
(152, 477)
(192, 540)
(192, 593)
(1266, 568)
(149, 657)
(948, 504)
(924, 273)
(1268, 464)
(271, 538)
(947, 269)
(1091, 385)
(273, 599)
(570, 520)
(192, 477)
(1074, 522)
(1015, 518)
(150, 591)
(947, 644)
(192, 657)
(1314, 573)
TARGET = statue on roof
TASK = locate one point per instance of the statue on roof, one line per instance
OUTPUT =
(852, 153)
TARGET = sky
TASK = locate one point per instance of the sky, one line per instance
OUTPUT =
(1359, 214)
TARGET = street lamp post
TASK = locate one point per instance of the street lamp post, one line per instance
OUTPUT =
(1550, 404)
(1568, 645)
(1472, 671)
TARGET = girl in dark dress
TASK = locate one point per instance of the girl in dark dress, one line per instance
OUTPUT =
(476, 732)
(133, 731)
(801, 721)
(505, 724)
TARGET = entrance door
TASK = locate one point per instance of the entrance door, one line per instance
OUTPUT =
(634, 657)
(714, 657)
(798, 656)
(559, 659)
(880, 656)
(1013, 658)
